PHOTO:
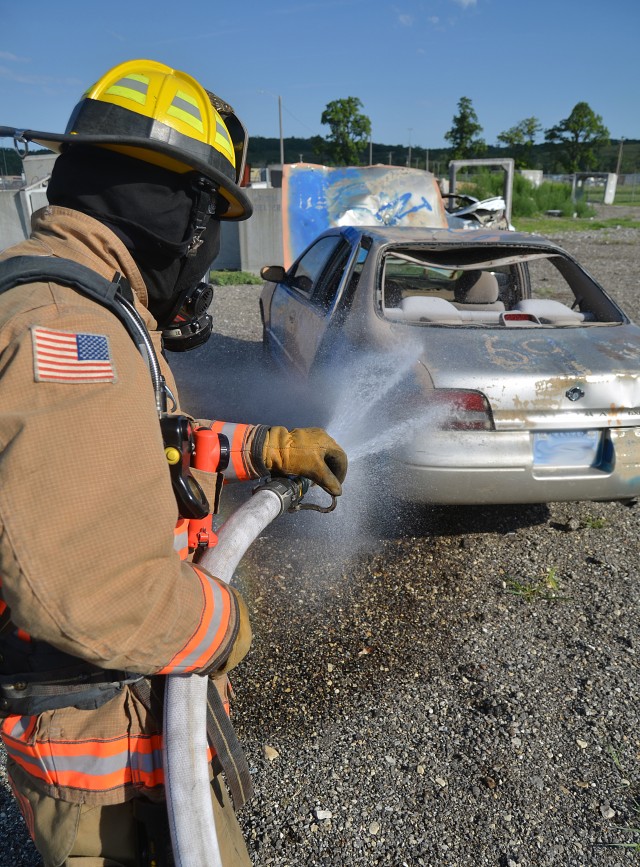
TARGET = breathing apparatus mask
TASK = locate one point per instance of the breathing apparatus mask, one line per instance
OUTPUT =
(169, 222)
(192, 325)
(189, 323)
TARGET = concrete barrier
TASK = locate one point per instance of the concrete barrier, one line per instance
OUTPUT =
(244, 246)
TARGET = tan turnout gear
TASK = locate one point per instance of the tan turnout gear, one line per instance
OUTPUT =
(76, 580)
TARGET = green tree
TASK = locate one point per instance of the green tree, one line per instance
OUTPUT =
(581, 135)
(350, 129)
(520, 140)
(463, 135)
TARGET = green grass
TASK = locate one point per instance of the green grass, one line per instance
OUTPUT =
(627, 196)
(595, 523)
(546, 588)
(530, 204)
(233, 278)
(550, 225)
(631, 845)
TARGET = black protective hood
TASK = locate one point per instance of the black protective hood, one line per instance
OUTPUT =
(152, 210)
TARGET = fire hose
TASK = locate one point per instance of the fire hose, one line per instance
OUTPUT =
(186, 768)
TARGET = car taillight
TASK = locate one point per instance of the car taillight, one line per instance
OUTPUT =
(462, 409)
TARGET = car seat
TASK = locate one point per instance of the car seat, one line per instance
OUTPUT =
(477, 290)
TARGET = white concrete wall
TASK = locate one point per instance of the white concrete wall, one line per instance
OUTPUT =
(244, 246)
(14, 219)
(252, 243)
(261, 235)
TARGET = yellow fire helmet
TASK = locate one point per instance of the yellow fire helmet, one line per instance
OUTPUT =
(163, 116)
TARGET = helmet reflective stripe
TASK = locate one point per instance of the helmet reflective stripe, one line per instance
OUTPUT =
(133, 87)
(152, 112)
(184, 107)
(224, 139)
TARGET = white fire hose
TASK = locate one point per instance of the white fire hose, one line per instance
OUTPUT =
(186, 768)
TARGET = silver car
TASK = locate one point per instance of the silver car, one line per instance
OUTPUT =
(502, 371)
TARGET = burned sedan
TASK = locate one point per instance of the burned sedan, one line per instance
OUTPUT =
(522, 377)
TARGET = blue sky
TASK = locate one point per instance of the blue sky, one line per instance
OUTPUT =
(408, 61)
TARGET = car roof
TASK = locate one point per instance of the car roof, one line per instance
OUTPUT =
(450, 238)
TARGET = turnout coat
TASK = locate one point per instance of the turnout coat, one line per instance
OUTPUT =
(92, 559)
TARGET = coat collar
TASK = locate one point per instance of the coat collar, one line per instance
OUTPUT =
(73, 235)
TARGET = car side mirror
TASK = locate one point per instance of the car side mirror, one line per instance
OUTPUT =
(272, 273)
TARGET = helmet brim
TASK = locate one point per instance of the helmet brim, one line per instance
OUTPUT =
(240, 205)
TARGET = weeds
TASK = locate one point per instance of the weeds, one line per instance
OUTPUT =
(632, 845)
(550, 225)
(547, 588)
(233, 278)
(595, 523)
(615, 757)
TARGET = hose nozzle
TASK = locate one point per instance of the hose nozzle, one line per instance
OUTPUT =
(290, 490)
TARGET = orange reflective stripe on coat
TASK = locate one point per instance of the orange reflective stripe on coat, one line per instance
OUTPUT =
(237, 434)
(211, 631)
(96, 765)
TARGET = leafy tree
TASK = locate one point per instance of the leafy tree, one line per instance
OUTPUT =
(350, 129)
(520, 139)
(580, 134)
(463, 135)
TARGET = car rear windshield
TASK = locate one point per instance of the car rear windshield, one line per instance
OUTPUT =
(537, 290)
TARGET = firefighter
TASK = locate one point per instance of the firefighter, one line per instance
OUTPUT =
(99, 597)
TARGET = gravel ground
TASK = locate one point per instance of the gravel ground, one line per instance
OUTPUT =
(440, 687)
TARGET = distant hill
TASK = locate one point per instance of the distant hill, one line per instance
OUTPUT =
(266, 151)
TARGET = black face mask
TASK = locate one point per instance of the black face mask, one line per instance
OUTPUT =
(189, 324)
(152, 210)
(169, 284)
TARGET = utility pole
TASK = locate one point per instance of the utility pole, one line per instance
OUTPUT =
(618, 166)
(409, 156)
(370, 152)
(390, 155)
(281, 138)
(427, 160)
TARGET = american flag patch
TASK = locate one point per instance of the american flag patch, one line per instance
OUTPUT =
(63, 356)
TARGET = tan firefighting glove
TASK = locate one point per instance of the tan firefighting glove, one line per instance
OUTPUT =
(306, 451)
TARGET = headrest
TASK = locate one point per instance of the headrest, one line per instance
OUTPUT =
(477, 287)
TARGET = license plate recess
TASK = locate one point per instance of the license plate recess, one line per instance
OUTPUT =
(567, 448)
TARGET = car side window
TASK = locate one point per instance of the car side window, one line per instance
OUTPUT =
(330, 279)
(306, 273)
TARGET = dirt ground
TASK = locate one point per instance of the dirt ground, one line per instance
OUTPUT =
(400, 706)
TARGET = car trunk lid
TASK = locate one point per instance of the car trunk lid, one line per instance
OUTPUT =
(556, 379)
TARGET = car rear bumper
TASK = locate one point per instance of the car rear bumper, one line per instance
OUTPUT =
(474, 468)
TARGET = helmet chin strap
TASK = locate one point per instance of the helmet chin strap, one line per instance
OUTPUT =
(189, 324)
(203, 211)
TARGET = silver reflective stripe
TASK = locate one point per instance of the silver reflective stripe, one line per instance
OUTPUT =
(132, 84)
(222, 131)
(207, 645)
(186, 106)
(181, 540)
(90, 765)
(228, 429)
(20, 727)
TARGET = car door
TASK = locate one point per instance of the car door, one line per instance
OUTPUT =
(302, 301)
